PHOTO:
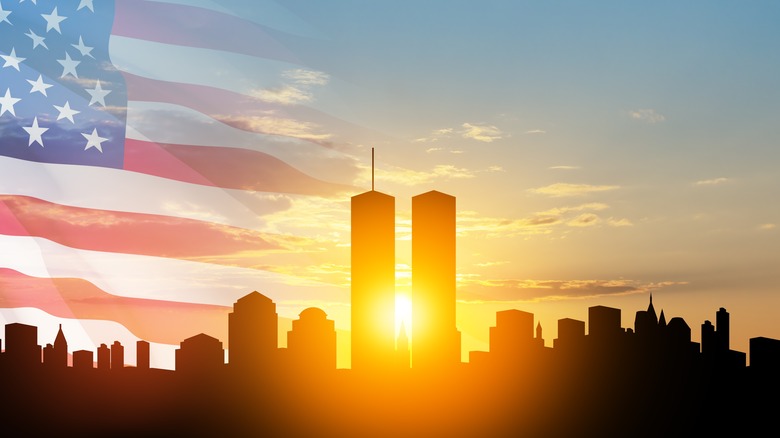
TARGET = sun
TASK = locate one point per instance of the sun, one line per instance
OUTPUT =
(403, 314)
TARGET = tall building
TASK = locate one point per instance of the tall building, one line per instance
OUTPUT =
(142, 354)
(435, 338)
(311, 344)
(21, 345)
(253, 330)
(117, 356)
(82, 360)
(103, 357)
(373, 281)
(722, 330)
(60, 350)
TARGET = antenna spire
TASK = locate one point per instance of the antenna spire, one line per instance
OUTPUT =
(372, 169)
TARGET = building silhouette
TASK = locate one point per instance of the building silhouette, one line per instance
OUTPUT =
(103, 357)
(435, 338)
(200, 354)
(311, 344)
(83, 360)
(142, 357)
(117, 356)
(372, 281)
(21, 345)
(253, 330)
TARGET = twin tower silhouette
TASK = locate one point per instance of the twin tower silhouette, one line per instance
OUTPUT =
(435, 340)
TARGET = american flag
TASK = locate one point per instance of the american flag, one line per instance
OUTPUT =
(133, 185)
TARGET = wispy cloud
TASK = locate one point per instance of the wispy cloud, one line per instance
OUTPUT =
(584, 220)
(476, 289)
(475, 131)
(296, 88)
(711, 182)
(767, 227)
(481, 132)
(564, 167)
(536, 131)
(646, 115)
(619, 222)
(565, 189)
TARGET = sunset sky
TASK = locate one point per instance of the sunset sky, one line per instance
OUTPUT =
(598, 151)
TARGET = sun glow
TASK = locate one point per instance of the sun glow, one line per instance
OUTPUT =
(403, 314)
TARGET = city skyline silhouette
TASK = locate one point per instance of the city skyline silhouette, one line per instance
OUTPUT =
(589, 379)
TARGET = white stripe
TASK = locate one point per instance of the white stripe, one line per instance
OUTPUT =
(120, 190)
(87, 334)
(159, 278)
(151, 121)
(193, 65)
(264, 12)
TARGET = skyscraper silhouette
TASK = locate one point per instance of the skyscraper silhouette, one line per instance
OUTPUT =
(435, 338)
(373, 281)
(253, 328)
(311, 343)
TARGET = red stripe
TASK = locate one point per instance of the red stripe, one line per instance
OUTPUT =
(197, 27)
(242, 112)
(130, 233)
(160, 321)
(233, 168)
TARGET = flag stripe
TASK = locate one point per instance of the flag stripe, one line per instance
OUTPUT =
(154, 320)
(223, 167)
(197, 27)
(132, 233)
(163, 278)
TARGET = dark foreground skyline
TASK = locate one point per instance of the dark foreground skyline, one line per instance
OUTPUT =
(646, 380)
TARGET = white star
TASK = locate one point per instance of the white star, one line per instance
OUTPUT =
(94, 140)
(98, 94)
(68, 66)
(8, 101)
(87, 3)
(37, 40)
(85, 50)
(39, 85)
(53, 20)
(66, 112)
(12, 60)
(4, 15)
(35, 132)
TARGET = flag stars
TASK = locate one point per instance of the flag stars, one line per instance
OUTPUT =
(4, 15)
(39, 85)
(68, 66)
(53, 20)
(66, 112)
(84, 50)
(37, 40)
(35, 133)
(98, 94)
(7, 103)
(94, 140)
(12, 60)
(86, 4)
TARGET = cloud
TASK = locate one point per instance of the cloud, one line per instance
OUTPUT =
(646, 115)
(584, 220)
(497, 290)
(297, 92)
(274, 125)
(536, 131)
(469, 222)
(483, 133)
(619, 222)
(307, 77)
(474, 131)
(565, 189)
(411, 177)
(286, 94)
(711, 182)
(767, 227)
(564, 167)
